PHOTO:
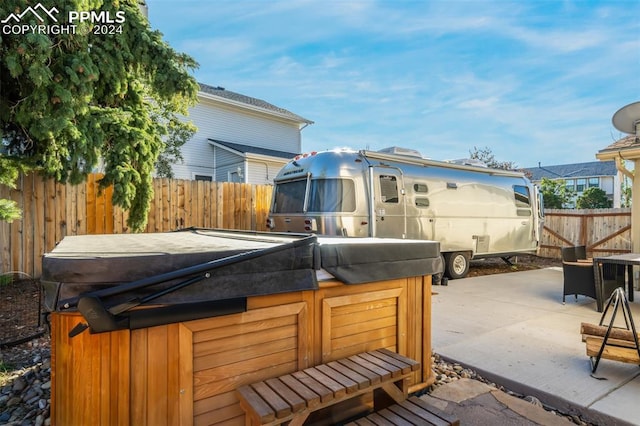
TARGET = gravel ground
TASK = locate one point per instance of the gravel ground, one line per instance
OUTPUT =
(25, 369)
(25, 383)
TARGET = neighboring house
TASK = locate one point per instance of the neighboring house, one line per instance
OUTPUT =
(580, 176)
(239, 138)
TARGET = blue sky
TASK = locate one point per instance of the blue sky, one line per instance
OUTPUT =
(534, 81)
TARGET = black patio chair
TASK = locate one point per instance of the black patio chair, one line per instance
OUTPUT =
(569, 254)
(579, 279)
(574, 253)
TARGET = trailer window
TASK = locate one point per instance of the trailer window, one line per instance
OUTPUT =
(422, 202)
(420, 187)
(388, 189)
(289, 197)
(332, 195)
(523, 198)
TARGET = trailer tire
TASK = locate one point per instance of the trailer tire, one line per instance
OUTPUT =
(456, 264)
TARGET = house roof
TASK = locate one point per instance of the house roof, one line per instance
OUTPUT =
(626, 144)
(572, 171)
(252, 102)
(248, 149)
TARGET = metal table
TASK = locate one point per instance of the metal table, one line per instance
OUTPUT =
(628, 260)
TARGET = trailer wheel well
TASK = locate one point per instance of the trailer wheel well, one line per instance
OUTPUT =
(456, 264)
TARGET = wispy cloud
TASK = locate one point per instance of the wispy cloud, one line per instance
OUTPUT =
(534, 81)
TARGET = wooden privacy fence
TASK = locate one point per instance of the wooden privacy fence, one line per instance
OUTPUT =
(603, 231)
(52, 211)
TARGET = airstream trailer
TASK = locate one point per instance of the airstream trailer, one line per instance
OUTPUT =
(473, 211)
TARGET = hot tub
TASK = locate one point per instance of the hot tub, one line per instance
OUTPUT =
(160, 329)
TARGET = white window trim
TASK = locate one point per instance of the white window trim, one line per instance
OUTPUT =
(193, 175)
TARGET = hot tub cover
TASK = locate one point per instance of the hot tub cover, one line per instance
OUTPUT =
(360, 260)
(260, 263)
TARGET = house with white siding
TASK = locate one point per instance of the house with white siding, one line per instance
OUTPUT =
(239, 138)
(580, 176)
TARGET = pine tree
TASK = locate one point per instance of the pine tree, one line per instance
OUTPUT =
(68, 101)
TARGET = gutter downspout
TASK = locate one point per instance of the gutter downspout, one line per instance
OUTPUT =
(622, 168)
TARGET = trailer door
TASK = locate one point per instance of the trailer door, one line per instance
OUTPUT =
(525, 237)
(389, 203)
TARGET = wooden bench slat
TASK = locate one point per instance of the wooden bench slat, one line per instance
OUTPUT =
(338, 390)
(264, 412)
(350, 385)
(395, 419)
(406, 414)
(361, 422)
(370, 375)
(279, 405)
(426, 415)
(447, 419)
(395, 371)
(403, 366)
(384, 374)
(312, 399)
(415, 365)
(293, 399)
(378, 420)
(325, 393)
(361, 380)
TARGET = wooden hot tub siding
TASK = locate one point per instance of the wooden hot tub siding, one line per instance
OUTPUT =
(186, 373)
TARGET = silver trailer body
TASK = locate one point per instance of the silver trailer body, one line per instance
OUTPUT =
(472, 211)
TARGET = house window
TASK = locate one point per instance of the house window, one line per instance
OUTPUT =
(206, 178)
(594, 182)
(570, 184)
(581, 185)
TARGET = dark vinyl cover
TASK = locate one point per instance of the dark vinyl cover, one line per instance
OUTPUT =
(279, 263)
(361, 260)
(83, 264)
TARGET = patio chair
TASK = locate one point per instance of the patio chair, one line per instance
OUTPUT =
(581, 252)
(579, 279)
(569, 254)
(574, 253)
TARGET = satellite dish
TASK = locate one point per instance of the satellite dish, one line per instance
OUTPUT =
(627, 118)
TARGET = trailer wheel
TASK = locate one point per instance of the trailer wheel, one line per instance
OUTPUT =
(456, 264)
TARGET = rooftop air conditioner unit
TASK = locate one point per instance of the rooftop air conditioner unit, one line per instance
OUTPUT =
(401, 151)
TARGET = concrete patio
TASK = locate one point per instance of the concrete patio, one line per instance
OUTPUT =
(513, 329)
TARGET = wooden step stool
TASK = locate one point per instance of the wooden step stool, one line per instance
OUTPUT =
(293, 397)
(413, 411)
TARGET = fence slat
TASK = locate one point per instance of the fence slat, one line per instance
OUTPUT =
(28, 216)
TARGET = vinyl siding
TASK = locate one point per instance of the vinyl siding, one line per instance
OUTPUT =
(263, 172)
(226, 162)
(606, 184)
(222, 122)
